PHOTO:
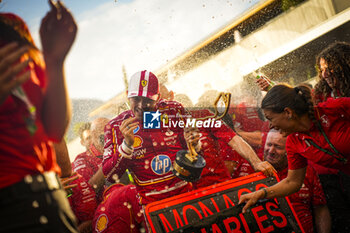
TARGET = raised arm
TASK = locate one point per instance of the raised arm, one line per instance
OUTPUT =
(118, 149)
(246, 151)
(252, 138)
(57, 32)
(291, 184)
(63, 160)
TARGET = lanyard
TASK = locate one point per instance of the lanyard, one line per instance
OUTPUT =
(337, 155)
(29, 120)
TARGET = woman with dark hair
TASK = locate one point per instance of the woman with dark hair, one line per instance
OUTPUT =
(320, 134)
(333, 65)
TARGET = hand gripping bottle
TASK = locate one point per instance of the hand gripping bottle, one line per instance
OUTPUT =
(266, 80)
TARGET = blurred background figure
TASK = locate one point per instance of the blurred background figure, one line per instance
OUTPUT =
(333, 65)
(34, 111)
(184, 100)
(119, 210)
(165, 93)
(80, 194)
(85, 135)
(219, 144)
(88, 164)
(249, 121)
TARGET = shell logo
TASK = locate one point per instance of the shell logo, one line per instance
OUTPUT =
(137, 142)
(102, 222)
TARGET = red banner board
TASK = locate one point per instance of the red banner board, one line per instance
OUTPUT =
(215, 209)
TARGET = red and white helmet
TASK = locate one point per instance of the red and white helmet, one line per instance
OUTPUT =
(144, 83)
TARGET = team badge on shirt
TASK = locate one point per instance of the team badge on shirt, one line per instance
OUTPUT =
(144, 83)
(161, 164)
(101, 223)
(137, 142)
(325, 121)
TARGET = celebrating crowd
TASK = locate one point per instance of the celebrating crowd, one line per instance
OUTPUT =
(300, 133)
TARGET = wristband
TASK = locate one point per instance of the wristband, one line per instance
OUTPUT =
(127, 145)
(125, 151)
(126, 148)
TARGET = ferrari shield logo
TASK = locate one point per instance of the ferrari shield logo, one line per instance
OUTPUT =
(144, 83)
(102, 223)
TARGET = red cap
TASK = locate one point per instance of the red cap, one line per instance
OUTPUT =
(144, 83)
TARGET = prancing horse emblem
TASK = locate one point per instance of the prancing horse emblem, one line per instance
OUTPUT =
(144, 83)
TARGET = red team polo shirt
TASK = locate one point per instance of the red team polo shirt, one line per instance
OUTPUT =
(211, 138)
(87, 163)
(154, 152)
(20, 152)
(310, 194)
(247, 119)
(334, 116)
(119, 211)
(83, 200)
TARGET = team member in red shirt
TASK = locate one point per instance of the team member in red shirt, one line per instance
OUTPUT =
(215, 141)
(319, 134)
(250, 127)
(309, 202)
(89, 163)
(147, 153)
(83, 203)
(215, 170)
(333, 65)
(33, 111)
(81, 196)
(118, 211)
(85, 135)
